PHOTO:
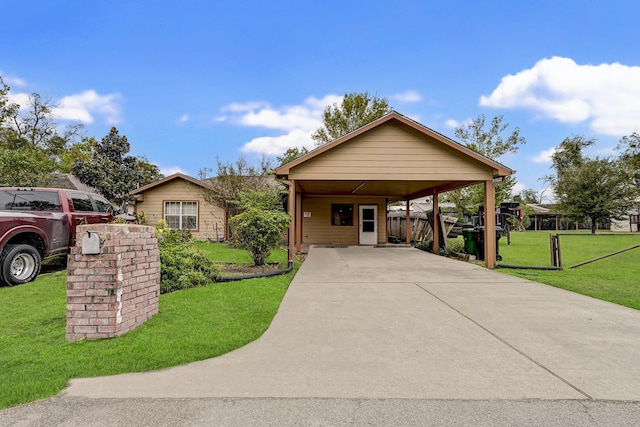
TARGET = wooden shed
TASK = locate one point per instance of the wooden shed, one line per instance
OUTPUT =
(339, 192)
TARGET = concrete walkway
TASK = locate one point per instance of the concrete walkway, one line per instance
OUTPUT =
(364, 324)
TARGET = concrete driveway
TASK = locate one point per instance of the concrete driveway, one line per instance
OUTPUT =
(390, 336)
(365, 322)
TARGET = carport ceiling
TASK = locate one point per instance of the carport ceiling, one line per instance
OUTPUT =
(394, 190)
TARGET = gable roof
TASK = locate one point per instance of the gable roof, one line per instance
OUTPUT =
(70, 182)
(169, 178)
(500, 169)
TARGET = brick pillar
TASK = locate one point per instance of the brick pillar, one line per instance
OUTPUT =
(117, 290)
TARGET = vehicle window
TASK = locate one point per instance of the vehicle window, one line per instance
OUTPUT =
(81, 203)
(28, 200)
(102, 204)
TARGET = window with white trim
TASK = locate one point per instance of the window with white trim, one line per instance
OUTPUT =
(181, 215)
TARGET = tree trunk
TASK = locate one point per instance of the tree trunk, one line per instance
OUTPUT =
(594, 225)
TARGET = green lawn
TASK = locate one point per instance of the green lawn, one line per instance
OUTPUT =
(615, 279)
(226, 256)
(192, 325)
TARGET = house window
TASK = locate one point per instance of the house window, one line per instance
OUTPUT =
(181, 215)
(341, 214)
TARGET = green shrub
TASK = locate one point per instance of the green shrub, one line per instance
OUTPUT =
(454, 246)
(183, 265)
(174, 235)
(424, 246)
(259, 231)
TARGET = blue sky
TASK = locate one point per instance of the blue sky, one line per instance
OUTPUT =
(187, 81)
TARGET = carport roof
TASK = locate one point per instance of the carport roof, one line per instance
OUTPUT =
(394, 187)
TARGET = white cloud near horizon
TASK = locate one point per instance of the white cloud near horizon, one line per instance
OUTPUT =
(296, 123)
(276, 145)
(607, 96)
(170, 170)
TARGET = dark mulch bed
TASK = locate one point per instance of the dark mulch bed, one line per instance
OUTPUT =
(235, 269)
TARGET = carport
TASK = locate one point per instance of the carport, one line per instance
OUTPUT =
(339, 192)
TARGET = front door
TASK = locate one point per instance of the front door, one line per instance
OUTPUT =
(368, 219)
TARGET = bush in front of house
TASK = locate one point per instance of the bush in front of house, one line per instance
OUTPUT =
(455, 245)
(259, 231)
(182, 264)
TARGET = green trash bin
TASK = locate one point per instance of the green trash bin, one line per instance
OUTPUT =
(469, 240)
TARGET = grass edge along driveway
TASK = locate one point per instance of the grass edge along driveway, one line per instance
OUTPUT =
(614, 279)
(194, 324)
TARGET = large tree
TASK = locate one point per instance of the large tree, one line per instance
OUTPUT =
(25, 167)
(110, 170)
(355, 111)
(630, 158)
(148, 171)
(290, 155)
(232, 179)
(597, 189)
(32, 145)
(492, 140)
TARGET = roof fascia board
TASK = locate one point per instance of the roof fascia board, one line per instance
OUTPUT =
(497, 168)
(164, 180)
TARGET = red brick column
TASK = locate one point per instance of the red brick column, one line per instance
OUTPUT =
(117, 290)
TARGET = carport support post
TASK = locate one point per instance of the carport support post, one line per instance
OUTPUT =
(489, 224)
(436, 224)
(298, 221)
(407, 238)
(292, 225)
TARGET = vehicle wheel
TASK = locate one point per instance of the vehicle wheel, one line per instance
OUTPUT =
(19, 264)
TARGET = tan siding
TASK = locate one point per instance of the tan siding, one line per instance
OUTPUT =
(391, 152)
(179, 190)
(317, 229)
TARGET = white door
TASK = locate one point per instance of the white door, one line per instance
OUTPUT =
(368, 218)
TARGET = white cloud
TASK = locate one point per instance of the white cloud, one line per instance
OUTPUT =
(451, 123)
(170, 170)
(240, 108)
(13, 81)
(544, 156)
(80, 107)
(606, 95)
(296, 123)
(517, 188)
(21, 98)
(183, 119)
(83, 106)
(407, 97)
(275, 145)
